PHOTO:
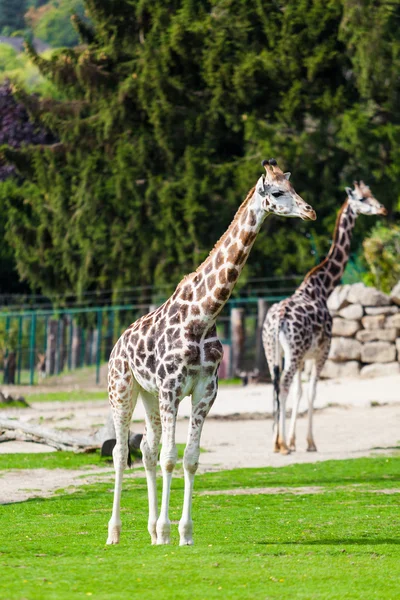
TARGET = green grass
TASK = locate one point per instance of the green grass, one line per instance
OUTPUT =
(75, 396)
(342, 543)
(85, 395)
(65, 460)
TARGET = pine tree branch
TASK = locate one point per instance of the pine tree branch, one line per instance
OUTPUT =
(85, 32)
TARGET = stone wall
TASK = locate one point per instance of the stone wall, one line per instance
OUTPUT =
(365, 332)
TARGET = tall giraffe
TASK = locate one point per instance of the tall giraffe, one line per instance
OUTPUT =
(174, 352)
(300, 327)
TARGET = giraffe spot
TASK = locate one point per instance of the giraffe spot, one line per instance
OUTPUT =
(338, 254)
(151, 342)
(194, 330)
(235, 231)
(334, 269)
(209, 370)
(118, 364)
(346, 248)
(222, 276)
(134, 338)
(172, 335)
(173, 310)
(210, 388)
(193, 372)
(197, 279)
(219, 259)
(232, 274)
(146, 326)
(222, 294)
(247, 237)
(252, 218)
(201, 291)
(213, 351)
(192, 355)
(208, 268)
(184, 312)
(161, 372)
(227, 241)
(161, 346)
(210, 306)
(151, 363)
(195, 310)
(211, 281)
(141, 348)
(170, 367)
(187, 293)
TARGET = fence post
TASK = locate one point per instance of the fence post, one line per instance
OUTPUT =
(237, 338)
(70, 334)
(261, 361)
(51, 346)
(98, 353)
(19, 350)
(32, 345)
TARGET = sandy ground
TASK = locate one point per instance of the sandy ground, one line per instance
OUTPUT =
(354, 418)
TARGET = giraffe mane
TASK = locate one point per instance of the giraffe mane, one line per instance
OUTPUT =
(238, 214)
(331, 249)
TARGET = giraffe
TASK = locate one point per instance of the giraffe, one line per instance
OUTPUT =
(174, 352)
(300, 327)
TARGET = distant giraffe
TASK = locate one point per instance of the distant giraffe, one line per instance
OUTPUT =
(174, 352)
(300, 327)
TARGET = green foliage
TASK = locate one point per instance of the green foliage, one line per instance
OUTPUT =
(18, 68)
(12, 14)
(169, 109)
(382, 251)
(54, 24)
(340, 543)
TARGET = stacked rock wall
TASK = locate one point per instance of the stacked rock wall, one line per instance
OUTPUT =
(365, 332)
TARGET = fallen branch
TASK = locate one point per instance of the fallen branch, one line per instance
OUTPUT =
(11, 429)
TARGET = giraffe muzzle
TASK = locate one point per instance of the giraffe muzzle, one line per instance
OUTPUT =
(307, 213)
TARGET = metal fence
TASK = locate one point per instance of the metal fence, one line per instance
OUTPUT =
(43, 343)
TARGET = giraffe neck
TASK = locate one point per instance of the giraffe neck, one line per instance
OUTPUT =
(323, 278)
(208, 289)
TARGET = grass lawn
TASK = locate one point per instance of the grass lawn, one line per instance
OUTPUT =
(343, 542)
(75, 396)
(85, 395)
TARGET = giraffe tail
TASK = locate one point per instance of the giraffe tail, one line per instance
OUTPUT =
(275, 382)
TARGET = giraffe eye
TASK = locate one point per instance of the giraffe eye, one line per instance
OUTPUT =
(277, 194)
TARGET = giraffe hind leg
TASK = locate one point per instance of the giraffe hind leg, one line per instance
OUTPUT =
(123, 391)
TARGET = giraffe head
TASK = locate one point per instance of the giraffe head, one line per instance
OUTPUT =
(277, 195)
(362, 200)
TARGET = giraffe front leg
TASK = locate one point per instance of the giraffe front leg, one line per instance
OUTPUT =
(168, 458)
(149, 448)
(123, 395)
(202, 400)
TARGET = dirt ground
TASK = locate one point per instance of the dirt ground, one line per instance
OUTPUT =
(353, 418)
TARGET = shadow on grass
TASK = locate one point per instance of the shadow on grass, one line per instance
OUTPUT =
(339, 542)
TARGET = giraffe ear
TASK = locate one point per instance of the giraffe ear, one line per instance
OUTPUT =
(349, 192)
(287, 175)
(260, 186)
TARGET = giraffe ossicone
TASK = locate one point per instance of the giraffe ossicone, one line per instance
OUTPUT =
(174, 352)
(299, 328)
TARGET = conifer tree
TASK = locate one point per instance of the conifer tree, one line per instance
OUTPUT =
(168, 108)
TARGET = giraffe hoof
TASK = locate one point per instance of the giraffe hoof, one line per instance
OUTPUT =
(186, 542)
(312, 448)
(113, 535)
(292, 447)
(284, 450)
